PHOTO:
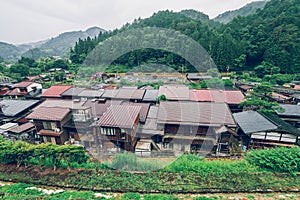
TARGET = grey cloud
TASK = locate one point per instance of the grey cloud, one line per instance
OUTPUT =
(31, 20)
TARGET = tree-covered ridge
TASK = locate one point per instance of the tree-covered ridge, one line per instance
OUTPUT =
(269, 37)
(215, 43)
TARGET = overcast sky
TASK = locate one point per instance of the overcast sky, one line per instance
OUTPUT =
(24, 21)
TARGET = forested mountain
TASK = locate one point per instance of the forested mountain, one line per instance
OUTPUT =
(60, 45)
(9, 51)
(271, 37)
(215, 43)
(248, 9)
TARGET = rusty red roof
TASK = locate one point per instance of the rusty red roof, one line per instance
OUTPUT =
(56, 90)
(22, 128)
(23, 84)
(121, 116)
(297, 87)
(195, 113)
(49, 113)
(219, 96)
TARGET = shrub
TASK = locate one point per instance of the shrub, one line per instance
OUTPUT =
(278, 159)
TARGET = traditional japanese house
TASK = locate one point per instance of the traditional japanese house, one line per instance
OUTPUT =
(49, 122)
(81, 116)
(192, 126)
(116, 129)
(262, 129)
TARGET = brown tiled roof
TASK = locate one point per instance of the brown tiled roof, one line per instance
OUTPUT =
(174, 92)
(219, 96)
(121, 116)
(22, 128)
(56, 90)
(44, 132)
(48, 113)
(195, 113)
(23, 84)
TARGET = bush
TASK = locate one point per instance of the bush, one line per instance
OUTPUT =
(278, 159)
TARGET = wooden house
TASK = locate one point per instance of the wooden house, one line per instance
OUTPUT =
(192, 126)
(116, 129)
(262, 129)
(49, 122)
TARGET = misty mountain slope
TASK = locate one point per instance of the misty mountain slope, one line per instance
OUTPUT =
(9, 51)
(60, 45)
(248, 9)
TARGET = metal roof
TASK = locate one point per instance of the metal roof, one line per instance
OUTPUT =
(49, 113)
(195, 113)
(150, 126)
(99, 107)
(91, 93)
(63, 103)
(150, 95)
(289, 110)
(110, 93)
(121, 116)
(175, 92)
(130, 93)
(13, 107)
(74, 91)
(252, 121)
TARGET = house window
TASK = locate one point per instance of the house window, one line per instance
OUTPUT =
(107, 131)
(49, 125)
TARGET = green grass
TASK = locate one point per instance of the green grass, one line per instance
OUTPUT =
(193, 163)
